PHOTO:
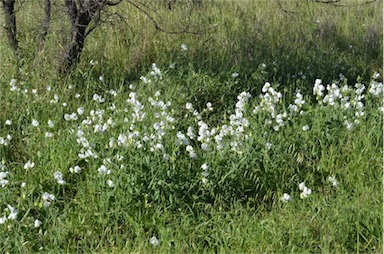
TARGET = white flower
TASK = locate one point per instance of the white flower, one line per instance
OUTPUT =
(98, 98)
(29, 165)
(348, 125)
(103, 170)
(3, 219)
(205, 147)
(77, 95)
(47, 197)
(144, 79)
(35, 123)
(305, 127)
(286, 197)
(190, 132)
(191, 151)
(80, 110)
(204, 166)
(13, 212)
(8, 122)
(333, 180)
(59, 177)
(37, 223)
(51, 124)
(268, 145)
(154, 241)
(48, 88)
(48, 134)
(189, 106)
(75, 169)
(184, 47)
(306, 192)
(110, 183)
(318, 88)
(376, 75)
(23, 184)
(209, 106)
(70, 117)
(235, 74)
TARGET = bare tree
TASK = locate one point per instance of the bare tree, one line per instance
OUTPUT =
(85, 17)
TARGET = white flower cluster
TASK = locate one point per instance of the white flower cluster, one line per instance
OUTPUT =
(59, 177)
(238, 122)
(48, 198)
(333, 181)
(86, 147)
(11, 216)
(348, 99)
(74, 170)
(305, 190)
(304, 194)
(205, 173)
(269, 100)
(3, 175)
(376, 88)
(155, 73)
(5, 141)
(298, 103)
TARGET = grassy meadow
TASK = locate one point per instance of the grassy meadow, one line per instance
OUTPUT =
(263, 133)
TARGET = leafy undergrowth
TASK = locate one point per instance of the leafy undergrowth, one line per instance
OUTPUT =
(157, 165)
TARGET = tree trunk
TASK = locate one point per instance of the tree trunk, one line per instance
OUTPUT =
(10, 22)
(47, 20)
(81, 16)
(76, 45)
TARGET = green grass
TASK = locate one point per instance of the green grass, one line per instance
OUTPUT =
(233, 206)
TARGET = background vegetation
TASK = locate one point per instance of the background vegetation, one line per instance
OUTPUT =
(237, 207)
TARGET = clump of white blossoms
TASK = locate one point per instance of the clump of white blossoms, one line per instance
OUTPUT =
(110, 183)
(103, 170)
(5, 141)
(347, 98)
(184, 47)
(74, 170)
(155, 73)
(305, 127)
(12, 212)
(154, 241)
(98, 98)
(29, 165)
(305, 190)
(59, 177)
(3, 176)
(205, 173)
(37, 223)
(48, 198)
(35, 123)
(70, 117)
(333, 180)
(286, 198)
(191, 151)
